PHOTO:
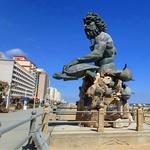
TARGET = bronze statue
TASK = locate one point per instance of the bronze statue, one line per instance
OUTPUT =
(103, 83)
(102, 53)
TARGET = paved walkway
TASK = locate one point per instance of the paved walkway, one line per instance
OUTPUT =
(9, 140)
(74, 129)
(72, 137)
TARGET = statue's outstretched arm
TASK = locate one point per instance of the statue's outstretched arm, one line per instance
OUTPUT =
(96, 54)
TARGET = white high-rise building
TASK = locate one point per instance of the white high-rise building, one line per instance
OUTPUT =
(53, 95)
(21, 82)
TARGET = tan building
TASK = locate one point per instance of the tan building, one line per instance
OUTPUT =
(25, 63)
(41, 85)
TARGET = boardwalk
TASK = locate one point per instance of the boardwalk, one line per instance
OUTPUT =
(12, 138)
(71, 137)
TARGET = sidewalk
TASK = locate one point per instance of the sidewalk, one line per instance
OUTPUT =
(72, 137)
(9, 140)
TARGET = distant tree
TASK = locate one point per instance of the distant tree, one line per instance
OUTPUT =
(3, 89)
(4, 86)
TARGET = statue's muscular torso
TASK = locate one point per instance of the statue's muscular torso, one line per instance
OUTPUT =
(102, 53)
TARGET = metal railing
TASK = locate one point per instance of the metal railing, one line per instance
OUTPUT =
(35, 133)
(35, 136)
(138, 117)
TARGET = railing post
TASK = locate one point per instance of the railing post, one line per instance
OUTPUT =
(33, 123)
(101, 119)
(126, 110)
(139, 118)
(45, 119)
(0, 127)
(32, 129)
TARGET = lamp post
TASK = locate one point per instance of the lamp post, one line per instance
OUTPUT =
(8, 96)
(34, 102)
(25, 102)
(7, 100)
(10, 86)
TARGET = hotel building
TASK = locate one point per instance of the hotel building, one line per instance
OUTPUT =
(20, 79)
(25, 63)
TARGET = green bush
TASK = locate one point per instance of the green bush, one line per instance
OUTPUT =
(30, 105)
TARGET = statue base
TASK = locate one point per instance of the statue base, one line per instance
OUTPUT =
(103, 89)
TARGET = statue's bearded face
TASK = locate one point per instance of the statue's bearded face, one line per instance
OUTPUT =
(91, 30)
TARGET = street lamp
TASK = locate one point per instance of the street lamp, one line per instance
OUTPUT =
(8, 95)
(11, 85)
(25, 102)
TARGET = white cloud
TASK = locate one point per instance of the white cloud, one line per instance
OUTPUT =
(2, 55)
(15, 52)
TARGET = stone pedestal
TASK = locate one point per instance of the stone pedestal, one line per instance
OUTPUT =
(102, 89)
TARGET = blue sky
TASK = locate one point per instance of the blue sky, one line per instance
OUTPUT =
(51, 34)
